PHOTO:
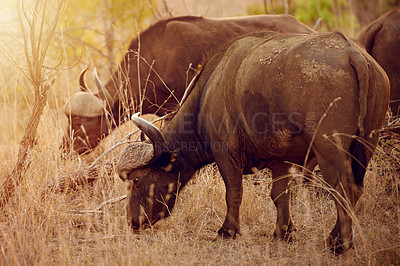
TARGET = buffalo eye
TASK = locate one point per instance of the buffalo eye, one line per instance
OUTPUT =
(133, 183)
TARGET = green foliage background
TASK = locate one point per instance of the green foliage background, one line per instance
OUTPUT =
(335, 14)
(103, 26)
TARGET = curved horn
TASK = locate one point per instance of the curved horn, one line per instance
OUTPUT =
(152, 132)
(82, 83)
(102, 89)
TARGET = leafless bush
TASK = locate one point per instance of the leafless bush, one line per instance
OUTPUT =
(38, 24)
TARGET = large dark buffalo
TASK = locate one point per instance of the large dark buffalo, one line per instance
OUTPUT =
(381, 39)
(262, 101)
(169, 47)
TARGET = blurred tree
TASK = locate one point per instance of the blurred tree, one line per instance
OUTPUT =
(335, 15)
(270, 7)
(256, 9)
(105, 26)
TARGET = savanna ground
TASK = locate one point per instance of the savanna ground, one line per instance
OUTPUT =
(40, 225)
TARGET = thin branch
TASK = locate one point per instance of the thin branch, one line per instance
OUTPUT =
(317, 23)
(265, 7)
(111, 201)
(103, 238)
(316, 130)
(101, 205)
(166, 7)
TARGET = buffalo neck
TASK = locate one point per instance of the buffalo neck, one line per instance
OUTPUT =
(182, 133)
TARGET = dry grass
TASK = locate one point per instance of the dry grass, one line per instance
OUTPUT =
(37, 229)
(42, 227)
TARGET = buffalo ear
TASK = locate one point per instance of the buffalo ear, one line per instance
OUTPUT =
(167, 160)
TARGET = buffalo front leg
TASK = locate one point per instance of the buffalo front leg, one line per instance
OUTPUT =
(232, 177)
(280, 194)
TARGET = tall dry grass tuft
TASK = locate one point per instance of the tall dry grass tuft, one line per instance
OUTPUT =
(37, 33)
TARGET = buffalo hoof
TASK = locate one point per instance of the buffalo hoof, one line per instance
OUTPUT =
(337, 246)
(228, 233)
(285, 233)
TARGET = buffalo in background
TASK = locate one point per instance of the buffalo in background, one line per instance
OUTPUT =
(381, 39)
(169, 50)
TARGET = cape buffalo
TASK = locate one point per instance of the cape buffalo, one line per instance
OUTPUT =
(251, 109)
(381, 39)
(167, 49)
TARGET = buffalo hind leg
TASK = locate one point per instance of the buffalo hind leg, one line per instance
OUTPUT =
(341, 236)
(280, 194)
(340, 177)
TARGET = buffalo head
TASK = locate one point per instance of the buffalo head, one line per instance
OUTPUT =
(152, 177)
(86, 114)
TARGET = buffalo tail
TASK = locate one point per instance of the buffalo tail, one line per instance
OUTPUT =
(358, 160)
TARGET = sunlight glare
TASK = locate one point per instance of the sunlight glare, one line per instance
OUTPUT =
(8, 11)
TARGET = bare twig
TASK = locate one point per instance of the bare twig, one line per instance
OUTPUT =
(110, 201)
(98, 208)
(154, 10)
(317, 23)
(316, 130)
(82, 177)
(156, 73)
(103, 238)
(265, 7)
(167, 10)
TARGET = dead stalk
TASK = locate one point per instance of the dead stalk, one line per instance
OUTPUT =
(37, 28)
(316, 130)
(101, 205)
